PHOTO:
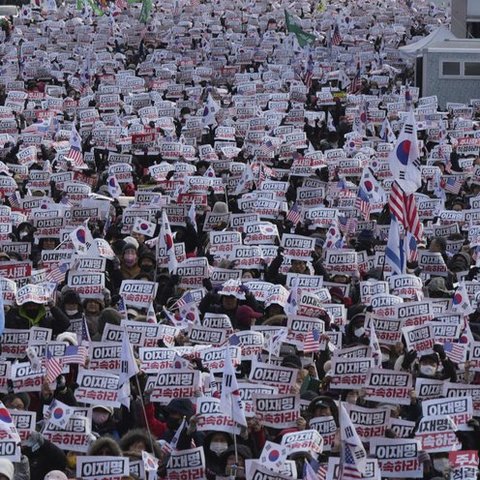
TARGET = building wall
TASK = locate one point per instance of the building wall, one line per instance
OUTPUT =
(459, 18)
(448, 89)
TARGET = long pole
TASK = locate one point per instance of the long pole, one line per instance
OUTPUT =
(145, 414)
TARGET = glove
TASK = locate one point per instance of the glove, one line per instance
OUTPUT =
(409, 358)
(207, 284)
(441, 352)
(35, 440)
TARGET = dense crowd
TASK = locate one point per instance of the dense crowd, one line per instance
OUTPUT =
(235, 242)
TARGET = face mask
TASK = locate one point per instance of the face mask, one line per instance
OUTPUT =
(100, 418)
(71, 312)
(358, 332)
(173, 423)
(218, 447)
(129, 259)
(147, 268)
(385, 357)
(441, 465)
(427, 370)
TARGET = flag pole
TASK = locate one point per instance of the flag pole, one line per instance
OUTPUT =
(144, 411)
(234, 438)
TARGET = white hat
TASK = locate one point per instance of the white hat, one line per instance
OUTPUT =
(6, 468)
(55, 475)
(103, 407)
(68, 337)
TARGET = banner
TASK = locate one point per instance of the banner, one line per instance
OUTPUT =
(186, 464)
(251, 344)
(428, 388)
(327, 428)
(276, 411)
(388, 386)
(153, 359)
(304, 441)
(25, 379)
(173, 383)
(464, 464)
(138, 293)
(419, 338)
(210, 417)
(349, 373)
(437, 434)
(105, 356)
(282, 378)
(460, 409)
(369, 422)
(397, 458)
(87, 285)
(24, 422)
(247, 390)
(102, 467)
(192, 272)
(95, 387)
(372, 469)
(76, 436)
(214, 358)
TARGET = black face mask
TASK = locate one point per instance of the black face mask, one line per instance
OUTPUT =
(173, 423)
(147, 268)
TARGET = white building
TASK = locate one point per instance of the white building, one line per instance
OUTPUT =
(448, 61)
(466, 18)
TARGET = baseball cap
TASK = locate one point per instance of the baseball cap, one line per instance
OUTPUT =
(245, 314)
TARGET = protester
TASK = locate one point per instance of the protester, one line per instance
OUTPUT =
(236, 241)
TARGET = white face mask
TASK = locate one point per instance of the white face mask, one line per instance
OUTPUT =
(428, 370)
(71, 312)
(218, 447)
(441, 465)
(385, 357)
(358, 332)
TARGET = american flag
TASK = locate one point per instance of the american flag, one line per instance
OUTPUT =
(347, 225)
(85, 333)
(456, 352)
(314, 470)
(14, 201)
(348, 466)
(267, 147)
(307, 78)
(312, 341)
(356, 83)
(57, 272)
(336, 37)
(451, 184)
(75, 355)
(75, 153)
(411, 245)
(404, 208)
(185, 299)
(53, 366)
(362, 202)
(295, 214)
